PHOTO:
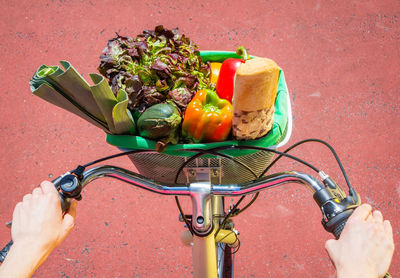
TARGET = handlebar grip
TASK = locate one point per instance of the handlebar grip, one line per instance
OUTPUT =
(4, 251)
(336, 224)
(339, 228)
(65, 203)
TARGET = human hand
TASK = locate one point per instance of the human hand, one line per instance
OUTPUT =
(365, 247)
(38, 221)
(38, 227)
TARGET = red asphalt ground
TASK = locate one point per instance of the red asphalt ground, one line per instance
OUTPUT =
(342, 63)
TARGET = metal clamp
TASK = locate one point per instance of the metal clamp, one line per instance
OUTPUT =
(199, 174)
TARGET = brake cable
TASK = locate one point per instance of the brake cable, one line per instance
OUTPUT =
(114, 156)
(234, 211)
(213, 152)
(318, 141)
(351, 190)
(216, 151)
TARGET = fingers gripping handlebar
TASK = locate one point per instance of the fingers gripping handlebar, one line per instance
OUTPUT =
(331, 199)
(336, 211)
(69, 187)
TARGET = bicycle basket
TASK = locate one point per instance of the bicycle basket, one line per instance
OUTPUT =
(236, 166)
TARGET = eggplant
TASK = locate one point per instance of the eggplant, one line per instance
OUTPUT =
(161, 122)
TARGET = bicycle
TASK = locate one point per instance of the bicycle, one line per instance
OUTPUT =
(210, 227)
(208, 176)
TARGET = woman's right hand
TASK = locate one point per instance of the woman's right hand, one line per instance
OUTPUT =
(365, 247)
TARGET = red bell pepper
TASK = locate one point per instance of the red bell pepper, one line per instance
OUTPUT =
(227, 72)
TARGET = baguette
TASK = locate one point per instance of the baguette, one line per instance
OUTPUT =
(254, 95)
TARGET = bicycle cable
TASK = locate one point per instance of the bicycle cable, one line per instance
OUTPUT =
(318, 141)
(239, 211)
(235, 249)
(351, 190)
(189, 226)
(114, 156)
(216, 151)
(235, 211)
(210, 151)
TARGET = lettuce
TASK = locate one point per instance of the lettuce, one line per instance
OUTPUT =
(157, 65)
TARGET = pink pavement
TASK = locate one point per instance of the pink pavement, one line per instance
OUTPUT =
(341, 60)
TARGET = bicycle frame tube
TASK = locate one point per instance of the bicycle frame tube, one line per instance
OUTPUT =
(204, 251)
(218, 212)
(204, 255)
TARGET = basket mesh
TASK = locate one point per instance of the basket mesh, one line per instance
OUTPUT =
(163, 168)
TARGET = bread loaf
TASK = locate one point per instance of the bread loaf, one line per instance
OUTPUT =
(254, 94)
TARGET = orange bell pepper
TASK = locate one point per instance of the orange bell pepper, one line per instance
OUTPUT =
(207, 118)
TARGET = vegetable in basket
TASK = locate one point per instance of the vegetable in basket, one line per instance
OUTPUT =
(214, 72)
(162, 69)
(208, 118)
(161, 122)
(157, 65)
(226, 77)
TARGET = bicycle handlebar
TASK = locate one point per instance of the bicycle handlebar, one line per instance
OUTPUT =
(335, 206)
(224, 190)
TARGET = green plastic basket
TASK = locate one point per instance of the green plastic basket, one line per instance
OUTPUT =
(163, 167)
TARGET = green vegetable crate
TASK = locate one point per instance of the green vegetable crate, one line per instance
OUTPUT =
(233, 166)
